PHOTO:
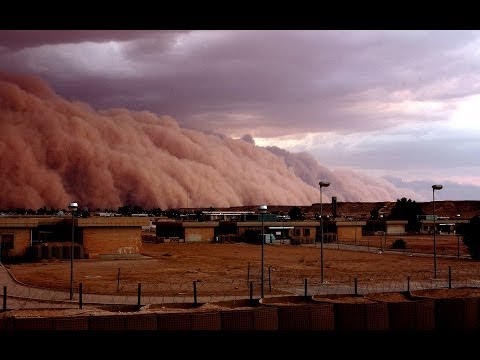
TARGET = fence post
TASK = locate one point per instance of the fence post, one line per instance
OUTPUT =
(408, 283)
(118, 280)
(251, 291)
(306, 288)
(5, 298)
(449, 277)
(356, 286)
(458, 246)
(195, 292)
(269, 279)
(248, 273)
(139, 293)
(80, 295)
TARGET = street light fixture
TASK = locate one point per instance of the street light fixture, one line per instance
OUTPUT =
(263, 210)
(435, 187)
(322, 184)
(73, 206)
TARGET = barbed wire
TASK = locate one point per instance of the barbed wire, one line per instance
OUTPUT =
(277, 282)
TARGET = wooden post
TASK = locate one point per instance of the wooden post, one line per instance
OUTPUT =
(356, 286)
(139, 293)
(195, 292)
(458, 246)
(251, 291)
(449, 277)
(80, 295)
(269, 279)
(118, 280)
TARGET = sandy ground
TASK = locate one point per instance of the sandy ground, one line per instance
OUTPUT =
(227, 269)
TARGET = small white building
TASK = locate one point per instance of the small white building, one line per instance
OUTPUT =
(396, 227)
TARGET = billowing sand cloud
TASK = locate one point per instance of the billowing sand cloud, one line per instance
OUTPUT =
(346, 185)
(55, 151)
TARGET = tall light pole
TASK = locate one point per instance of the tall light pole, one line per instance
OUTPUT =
(73, 206)
(263, 210)
(322, 184)
(435, 187)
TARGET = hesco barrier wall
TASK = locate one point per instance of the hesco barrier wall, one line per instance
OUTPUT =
(455, 309)
(407, 313)
(300, 313)
(356, 313)
(442, 309)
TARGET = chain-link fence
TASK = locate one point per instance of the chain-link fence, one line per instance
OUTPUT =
(276, 282)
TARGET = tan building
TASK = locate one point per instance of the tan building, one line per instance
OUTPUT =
(349, 230)
(192, 231)
(396, 227)
(304, 231)
(442, 226)
(16, 235)
(189, 231)
(111, 235)
(98, 235)
(199, 231)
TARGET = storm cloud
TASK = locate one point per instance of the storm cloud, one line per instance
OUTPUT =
(55, 151)
(382, 103)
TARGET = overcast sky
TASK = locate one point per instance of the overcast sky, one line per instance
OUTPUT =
(402, 104)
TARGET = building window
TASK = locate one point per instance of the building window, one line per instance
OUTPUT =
(296, 232)
(306, 232)
(7, 241)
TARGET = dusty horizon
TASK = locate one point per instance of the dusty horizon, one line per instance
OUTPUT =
(56, 151)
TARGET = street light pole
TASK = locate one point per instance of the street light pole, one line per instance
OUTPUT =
(73, 206)
(263, 209)
(321, 184)
(435, 187)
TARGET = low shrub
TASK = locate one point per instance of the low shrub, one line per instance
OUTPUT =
(399, 244)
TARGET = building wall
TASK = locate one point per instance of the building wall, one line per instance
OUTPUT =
(299, 232)
(21, 238)
(395, 229)
(112, 221)
(199, 234)
(112, 240)
(349, 233)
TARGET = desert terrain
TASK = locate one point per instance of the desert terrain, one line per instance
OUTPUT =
(170, 269)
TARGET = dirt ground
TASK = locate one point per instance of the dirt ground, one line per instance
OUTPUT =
(446, 244)
(227, 269)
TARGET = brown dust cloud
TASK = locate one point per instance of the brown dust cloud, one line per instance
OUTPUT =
(54, 151)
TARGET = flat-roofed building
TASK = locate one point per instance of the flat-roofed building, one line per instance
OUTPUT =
(349, 230)
(98, 235)
(396, 227)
